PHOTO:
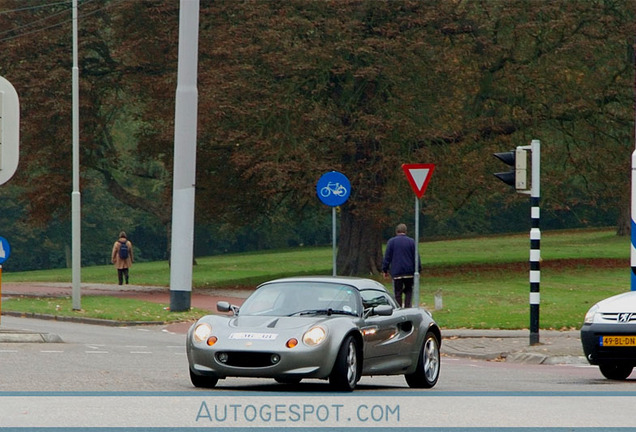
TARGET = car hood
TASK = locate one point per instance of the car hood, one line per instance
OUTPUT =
(625, 302)
(271, 322)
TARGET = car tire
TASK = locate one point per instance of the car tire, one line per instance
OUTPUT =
(428, 364)
(203, 381)
(346, 371)
(616, 371)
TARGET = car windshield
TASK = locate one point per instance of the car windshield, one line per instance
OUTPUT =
(303, 298)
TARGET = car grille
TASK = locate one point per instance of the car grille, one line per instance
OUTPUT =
(620, 317)
(247, 359)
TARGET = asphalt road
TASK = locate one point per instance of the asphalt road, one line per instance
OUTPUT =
(137, 377)
(152, 358)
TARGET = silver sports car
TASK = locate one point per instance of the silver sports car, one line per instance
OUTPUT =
(334, 328)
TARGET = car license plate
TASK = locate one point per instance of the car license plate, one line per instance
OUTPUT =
(254, 336)
(618, 341)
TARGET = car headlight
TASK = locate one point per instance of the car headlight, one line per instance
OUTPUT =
(589, 316)
(202, 332)
(315, 336)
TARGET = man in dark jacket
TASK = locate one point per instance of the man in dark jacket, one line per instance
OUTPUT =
(400, 258)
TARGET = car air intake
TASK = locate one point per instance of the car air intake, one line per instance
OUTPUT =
(247, 359)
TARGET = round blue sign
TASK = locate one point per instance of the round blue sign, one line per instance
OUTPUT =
(333, 188)
(5, 249)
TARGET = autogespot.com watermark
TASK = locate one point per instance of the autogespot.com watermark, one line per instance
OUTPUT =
(361, 410)
(298, 413)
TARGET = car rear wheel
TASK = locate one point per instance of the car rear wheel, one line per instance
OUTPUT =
(428, 364)
(346, 371)
(616, 371)
(204, 381)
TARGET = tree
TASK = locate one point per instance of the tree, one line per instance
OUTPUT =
(291, 89)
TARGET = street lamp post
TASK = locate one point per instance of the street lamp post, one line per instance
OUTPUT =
(75, 196)
(185, 145)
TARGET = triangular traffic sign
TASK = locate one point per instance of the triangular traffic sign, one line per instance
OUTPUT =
(418, 176)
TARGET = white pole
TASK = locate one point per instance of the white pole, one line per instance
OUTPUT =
(633, 224)
(416, 275)
(185, 145)
(75, 196)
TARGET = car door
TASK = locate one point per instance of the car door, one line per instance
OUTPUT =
(383, 334)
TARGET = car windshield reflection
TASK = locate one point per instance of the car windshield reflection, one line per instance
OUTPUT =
(303, 298)
(323, 312)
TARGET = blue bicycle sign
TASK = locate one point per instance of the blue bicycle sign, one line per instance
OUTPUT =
(5, 250)
(333, 188)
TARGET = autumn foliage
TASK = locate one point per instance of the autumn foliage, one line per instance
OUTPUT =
(291, 89)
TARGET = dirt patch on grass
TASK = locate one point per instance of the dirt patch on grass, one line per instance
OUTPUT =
(513, 267)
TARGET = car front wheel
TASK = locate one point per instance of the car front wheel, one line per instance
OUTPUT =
(346, 371)
(428, 364)
(616, 371)
(204, 381)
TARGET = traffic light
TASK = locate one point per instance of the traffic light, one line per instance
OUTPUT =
(518, 174)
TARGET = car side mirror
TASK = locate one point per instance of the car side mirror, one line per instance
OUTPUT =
(383, 310)
(224, 306)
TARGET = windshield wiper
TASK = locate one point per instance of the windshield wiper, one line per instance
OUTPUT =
(322, 312)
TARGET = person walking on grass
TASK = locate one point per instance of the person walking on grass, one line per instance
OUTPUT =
(399, 257)
(122, 257)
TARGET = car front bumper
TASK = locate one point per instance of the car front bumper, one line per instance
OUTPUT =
(596, 353)
(262, 360)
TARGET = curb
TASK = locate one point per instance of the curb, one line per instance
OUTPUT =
(519, 357)
(540, 359)
(17, 336)
(81, 320)
(21, 336)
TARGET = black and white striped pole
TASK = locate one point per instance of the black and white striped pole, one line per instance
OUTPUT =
(535, 243)
(517, 177)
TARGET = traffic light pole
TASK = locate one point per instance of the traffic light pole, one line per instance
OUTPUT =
(516, 177)
(535, 243)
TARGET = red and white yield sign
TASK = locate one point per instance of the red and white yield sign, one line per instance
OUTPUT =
(418, 176)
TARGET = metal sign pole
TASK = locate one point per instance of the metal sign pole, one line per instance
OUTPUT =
(416, 275)
(5, 252)
(333, 238)
(418, 175)
(333, 189)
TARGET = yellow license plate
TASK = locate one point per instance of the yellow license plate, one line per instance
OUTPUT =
(618, 341)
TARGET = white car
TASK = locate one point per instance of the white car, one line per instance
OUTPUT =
(608, 335)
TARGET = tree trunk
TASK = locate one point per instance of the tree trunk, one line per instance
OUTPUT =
(624, 222)
(359, 244)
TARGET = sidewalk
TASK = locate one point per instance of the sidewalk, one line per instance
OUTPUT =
(555, 347)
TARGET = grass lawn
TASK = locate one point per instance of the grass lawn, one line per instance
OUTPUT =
(102, 307)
